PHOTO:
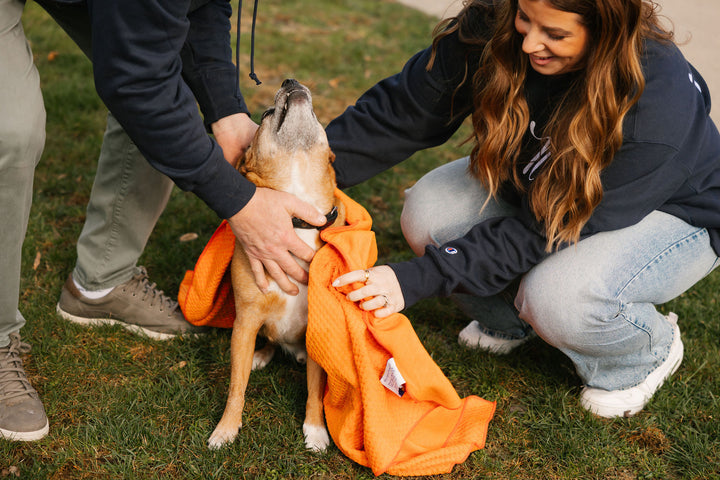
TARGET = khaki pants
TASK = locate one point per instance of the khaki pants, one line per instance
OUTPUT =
(22, 138)
(127, 197)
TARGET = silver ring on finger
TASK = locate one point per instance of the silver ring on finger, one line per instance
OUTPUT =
(387, 301)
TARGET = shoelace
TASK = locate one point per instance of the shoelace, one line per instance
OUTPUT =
(13, 382)
(140, 285)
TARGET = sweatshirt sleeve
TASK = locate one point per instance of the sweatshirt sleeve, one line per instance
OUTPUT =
(410, 111)
(482, 263)
(207, 65)
(137, 67)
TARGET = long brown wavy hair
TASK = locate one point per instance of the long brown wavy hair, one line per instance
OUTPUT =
(586, 127)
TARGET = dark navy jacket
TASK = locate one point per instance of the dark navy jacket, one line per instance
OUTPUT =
(154, 62)
(669, 161)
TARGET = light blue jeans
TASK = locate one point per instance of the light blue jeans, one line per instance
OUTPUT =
(595, 301)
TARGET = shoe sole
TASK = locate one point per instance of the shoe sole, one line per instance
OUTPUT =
(97, 322)
(25, 436)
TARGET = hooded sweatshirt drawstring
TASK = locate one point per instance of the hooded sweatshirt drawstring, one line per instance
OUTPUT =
(252, 47)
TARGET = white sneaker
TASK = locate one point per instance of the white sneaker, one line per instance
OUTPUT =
(628, 402)
(472, 337)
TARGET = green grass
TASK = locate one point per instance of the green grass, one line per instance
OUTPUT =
(125, 407)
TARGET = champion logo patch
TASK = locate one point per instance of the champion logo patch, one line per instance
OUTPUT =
(451, 250)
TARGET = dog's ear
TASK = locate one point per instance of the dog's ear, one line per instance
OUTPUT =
(253, 177)
(331, 156)
(245, 160)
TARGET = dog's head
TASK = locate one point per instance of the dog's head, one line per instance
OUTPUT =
(291, 123)
(290, 137)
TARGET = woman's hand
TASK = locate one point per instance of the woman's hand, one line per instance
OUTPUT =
(381, 291)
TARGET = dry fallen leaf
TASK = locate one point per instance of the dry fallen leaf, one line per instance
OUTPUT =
(36, 262)
(12, 470)
(179, 365)
(188, 237)
(52, 56)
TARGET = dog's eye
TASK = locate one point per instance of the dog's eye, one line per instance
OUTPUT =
(267, 113)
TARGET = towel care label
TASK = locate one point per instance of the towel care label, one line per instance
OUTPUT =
(392, 379)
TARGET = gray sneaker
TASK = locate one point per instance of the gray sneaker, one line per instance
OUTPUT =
(137, 305)
(22, 416)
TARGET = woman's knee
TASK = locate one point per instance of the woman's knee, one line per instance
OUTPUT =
(444, 205)
(416, 222)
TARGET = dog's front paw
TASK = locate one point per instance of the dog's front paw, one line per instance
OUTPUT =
(316, 438)
(221, 437)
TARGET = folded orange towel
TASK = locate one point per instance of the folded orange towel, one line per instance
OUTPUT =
(428, 429)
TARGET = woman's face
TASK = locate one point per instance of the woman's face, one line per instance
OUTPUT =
(555, 41)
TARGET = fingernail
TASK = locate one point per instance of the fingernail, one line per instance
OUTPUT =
(336, 283)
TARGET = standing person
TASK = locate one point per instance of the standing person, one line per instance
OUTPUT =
(592, 193)
(153, 64)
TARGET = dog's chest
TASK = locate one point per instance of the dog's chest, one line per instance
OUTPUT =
(288, 327)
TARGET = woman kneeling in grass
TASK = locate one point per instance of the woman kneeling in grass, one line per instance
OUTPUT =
(591, 195)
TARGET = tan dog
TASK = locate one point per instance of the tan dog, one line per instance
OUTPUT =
(290, 152)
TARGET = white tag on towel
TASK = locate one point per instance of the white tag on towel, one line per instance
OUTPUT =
(392, 379)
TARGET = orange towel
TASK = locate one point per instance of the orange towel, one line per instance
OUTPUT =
(205, 295)
(428, 429)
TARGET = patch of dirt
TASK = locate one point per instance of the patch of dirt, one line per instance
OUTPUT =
(652, 439)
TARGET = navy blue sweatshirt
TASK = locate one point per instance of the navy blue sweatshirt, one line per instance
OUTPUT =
(669, 161)
(154, 62)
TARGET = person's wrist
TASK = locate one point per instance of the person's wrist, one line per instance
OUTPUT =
(231, 123)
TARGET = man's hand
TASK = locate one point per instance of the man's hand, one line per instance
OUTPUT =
(264, 228)
(234, 134)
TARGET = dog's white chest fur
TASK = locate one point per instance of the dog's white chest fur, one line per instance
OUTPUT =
(290, 325)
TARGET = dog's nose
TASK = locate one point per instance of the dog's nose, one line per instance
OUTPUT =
(289, 82)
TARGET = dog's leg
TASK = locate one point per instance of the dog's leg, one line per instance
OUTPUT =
(263, 356)
(316, 435)
(297, 351)
(242, 346)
